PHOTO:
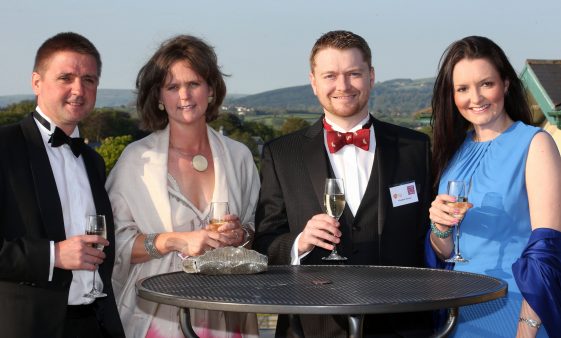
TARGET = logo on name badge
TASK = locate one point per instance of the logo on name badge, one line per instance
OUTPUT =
(410, 189)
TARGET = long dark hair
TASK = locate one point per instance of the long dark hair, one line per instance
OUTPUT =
(448, 125)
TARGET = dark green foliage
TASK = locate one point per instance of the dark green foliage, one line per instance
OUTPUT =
(111, 148)
(293, 124)
(232, 126)
(10, 117)
(15, 112)
(265, 132)
(107, 122)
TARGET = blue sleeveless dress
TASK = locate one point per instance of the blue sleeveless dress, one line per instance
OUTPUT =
(496, 230)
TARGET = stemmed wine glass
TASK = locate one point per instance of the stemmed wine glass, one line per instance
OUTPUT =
(334, 204)
(96, 226)
(458, 190)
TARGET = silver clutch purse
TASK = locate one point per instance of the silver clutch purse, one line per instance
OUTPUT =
(226, 261)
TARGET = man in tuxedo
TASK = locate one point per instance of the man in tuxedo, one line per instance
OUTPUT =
(386, 173)
(49, 182)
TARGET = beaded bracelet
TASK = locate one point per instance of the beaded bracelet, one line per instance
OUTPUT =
(438, 233)
(150, 246)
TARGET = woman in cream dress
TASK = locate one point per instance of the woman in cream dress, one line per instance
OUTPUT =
(162, 186)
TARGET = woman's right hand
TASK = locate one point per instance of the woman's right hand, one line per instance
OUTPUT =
(443, 213)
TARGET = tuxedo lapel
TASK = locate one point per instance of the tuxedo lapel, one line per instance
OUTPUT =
(96, 182)
(386, 156)
(315, 159)
(44, 181)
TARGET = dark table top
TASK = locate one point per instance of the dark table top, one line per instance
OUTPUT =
(341, 289)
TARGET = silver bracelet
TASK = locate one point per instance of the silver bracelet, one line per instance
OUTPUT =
(530, 322)
(150, 247)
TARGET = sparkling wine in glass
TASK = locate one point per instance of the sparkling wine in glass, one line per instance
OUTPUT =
(96, 226)
(216, 216)
(334, 204)
(458, 190)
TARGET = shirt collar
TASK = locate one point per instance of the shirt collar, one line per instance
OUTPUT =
(354, 128)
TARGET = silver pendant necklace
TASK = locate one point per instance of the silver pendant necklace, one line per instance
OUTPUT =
(198, 161)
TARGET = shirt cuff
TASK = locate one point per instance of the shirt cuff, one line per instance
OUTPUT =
(52, 261)
(294, 258)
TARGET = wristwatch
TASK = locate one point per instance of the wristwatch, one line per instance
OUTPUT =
(530, 322)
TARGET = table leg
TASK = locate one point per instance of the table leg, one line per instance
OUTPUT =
(296, 326)
(450, 323)
(355, 326)
(185, 323)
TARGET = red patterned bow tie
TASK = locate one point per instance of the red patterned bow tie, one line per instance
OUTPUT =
(337, 140)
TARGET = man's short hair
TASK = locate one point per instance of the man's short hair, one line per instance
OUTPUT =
(341, 40)
(67, 41)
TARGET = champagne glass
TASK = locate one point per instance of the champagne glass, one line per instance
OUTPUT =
(458, 190)
(96, 226)
(334, 204)
(218, 210)
(216, 217)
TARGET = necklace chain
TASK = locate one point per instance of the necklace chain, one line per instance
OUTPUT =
(198, 161)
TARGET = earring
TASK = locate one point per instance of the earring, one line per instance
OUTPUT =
(161, 106)
(210, 98)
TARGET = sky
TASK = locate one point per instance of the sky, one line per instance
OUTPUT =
(264, 44)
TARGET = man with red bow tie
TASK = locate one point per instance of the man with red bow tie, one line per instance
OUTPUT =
(386, 173)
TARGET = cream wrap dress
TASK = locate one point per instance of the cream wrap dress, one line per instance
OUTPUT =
(145, 199)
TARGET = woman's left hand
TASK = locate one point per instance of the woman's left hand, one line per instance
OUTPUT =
(230, 233)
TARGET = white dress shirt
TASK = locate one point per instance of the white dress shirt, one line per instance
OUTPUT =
(354, 166)
(76, 201)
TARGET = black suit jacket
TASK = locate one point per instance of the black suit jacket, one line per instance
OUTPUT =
(31, 217)
(293, 172)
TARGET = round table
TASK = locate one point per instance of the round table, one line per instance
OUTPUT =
(352, 290)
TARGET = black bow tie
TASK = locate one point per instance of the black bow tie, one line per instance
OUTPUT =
(59, 137)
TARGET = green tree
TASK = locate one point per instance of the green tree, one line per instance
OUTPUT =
(111, 148)
(262, 130)
(15, 112)
(108, 122)
(228, 123)
(292, 124)
(10, 117)
(22, 107)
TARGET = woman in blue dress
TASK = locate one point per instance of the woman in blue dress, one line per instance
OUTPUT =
(482, 135)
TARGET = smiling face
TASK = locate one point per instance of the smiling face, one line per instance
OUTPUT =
(479, 93)
(185, 95)
(342, 81)
(66, 88)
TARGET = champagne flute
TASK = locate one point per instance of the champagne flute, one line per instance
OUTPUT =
(458, 190)
(96, 226)
(334, 204)
(216, 215)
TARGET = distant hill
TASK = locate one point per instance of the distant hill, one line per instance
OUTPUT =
(403, 96)
(393, 97)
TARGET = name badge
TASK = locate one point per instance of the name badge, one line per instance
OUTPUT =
(403, 194)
